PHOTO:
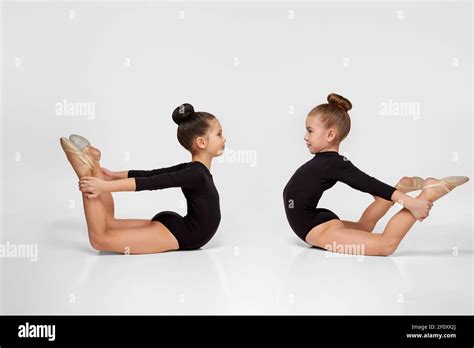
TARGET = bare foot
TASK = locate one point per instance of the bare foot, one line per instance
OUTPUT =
(434, 193)
(407, 181)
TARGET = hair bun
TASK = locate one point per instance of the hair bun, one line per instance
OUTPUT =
(182, 113)
(340, 101)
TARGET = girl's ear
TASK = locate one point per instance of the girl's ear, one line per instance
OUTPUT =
(331, 134)
(201, 142)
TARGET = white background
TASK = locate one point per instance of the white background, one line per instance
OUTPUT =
(259, 67)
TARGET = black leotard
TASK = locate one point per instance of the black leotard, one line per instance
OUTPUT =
(304, 189)
(196, 182)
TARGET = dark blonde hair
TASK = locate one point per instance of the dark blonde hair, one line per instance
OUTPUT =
(334, 113)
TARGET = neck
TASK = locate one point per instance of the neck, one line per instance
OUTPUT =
(206, 160)
(331, 148)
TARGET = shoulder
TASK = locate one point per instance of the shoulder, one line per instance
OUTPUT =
(187, 168)
(328, 158)
(343, 161)
(201, 167)
(343, 158)
(188, 165)
(332, 163)
(198, 169)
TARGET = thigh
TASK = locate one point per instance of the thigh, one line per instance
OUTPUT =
(357, 225)
(320, 221)
(126, 223)
(333, 236)
(151, 238)
(313, 236)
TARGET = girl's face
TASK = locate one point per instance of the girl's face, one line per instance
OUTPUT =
(317, 137)
(213, 142)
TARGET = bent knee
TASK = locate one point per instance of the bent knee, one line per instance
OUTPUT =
(95, 244)
(388, 247)
(98, 243)
(112, 222)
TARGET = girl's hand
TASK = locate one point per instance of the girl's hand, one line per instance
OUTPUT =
(108, 175)
(92, 186)
(419, 208)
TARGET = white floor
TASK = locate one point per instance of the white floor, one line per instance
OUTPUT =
(261, 80)
(430, 273)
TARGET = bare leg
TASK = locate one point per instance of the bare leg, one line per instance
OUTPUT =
(107, 199)
(151, 238)
(93, 207)
(332, 235)
(371, 215)
(376, 210)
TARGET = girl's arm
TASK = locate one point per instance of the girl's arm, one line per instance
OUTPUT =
(190, 176)
(346, 172)
(147, 173)
(120, 185)
(401, 197)
(110, 175)
(121, 175)
(92, 187)
(418, 207)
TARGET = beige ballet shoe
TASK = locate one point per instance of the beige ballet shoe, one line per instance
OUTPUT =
(418, 186)
(79, 140)
(453, 181)
(85, 145)
(69, 146)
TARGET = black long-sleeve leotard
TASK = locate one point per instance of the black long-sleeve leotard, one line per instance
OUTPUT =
(203, 210)
(305, 188)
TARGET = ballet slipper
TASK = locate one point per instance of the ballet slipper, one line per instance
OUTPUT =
(453, 181)
(69, 146)
(80, 141)
(418, 185)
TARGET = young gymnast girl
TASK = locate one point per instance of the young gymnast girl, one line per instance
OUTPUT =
(198, 132)
(326, 126)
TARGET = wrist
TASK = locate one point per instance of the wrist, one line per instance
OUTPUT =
(107, 186)
(406, 202)
(402, 199)
(120, 175)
